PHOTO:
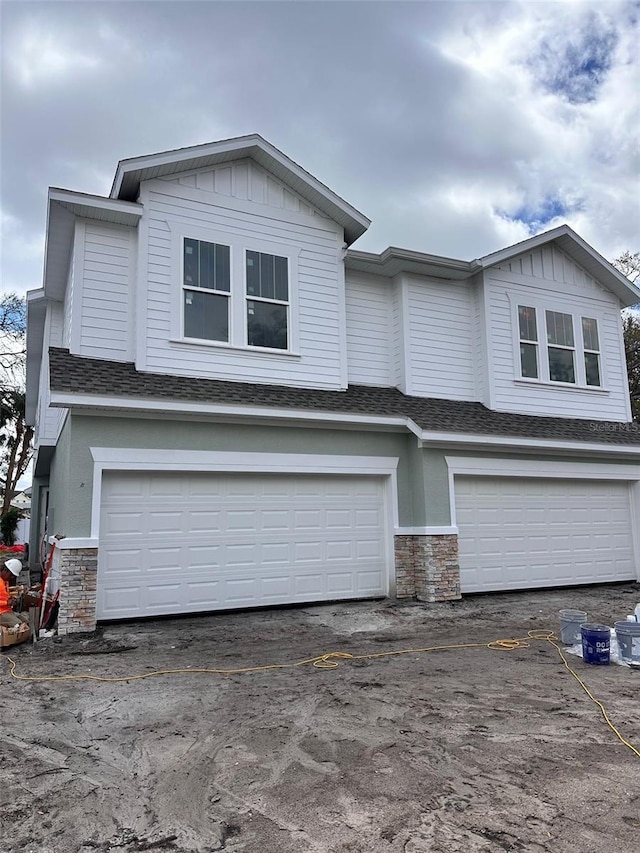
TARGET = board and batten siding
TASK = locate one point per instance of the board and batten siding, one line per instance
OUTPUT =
(440, 338)
(314, 244)
(550, 280)
(369, 309)
(104, 271)
(248, 181)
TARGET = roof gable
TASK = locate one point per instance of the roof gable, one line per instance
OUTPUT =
(247, 180)
(594, 269)
(131, 172)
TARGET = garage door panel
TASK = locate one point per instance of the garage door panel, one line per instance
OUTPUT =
(219, 541)
(517, 533)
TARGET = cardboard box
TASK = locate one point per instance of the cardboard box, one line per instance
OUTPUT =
(13, 636)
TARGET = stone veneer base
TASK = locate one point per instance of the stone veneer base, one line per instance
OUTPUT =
(427, 567)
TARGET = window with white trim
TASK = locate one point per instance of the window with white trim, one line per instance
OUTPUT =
(591, 344)
(528, 342)
(267, 282)
(571, 353)
(560, 347)
(236, 293)
(206, 284)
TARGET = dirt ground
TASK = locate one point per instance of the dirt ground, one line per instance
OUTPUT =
(457, 751)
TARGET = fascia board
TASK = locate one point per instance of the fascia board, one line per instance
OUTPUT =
(500, 441)
(84, 204)
(394, 260)
(63, 399)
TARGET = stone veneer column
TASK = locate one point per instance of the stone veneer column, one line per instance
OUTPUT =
(78, 590)
(427, 567)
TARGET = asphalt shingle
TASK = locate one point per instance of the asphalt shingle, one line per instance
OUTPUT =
(77, 375)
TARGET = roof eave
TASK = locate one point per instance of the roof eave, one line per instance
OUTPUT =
(395, 260)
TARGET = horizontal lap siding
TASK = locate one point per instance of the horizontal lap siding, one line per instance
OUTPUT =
(565, 288)
(49, 421)
(106, 274)
(441, 339)
(318, 303)
(369, 307)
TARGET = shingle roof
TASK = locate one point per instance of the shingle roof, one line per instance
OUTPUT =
(77, 375)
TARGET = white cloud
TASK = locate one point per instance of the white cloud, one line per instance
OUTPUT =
(38, 56)
(455, 126)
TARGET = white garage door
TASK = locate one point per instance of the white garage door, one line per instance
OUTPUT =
(519, 533)
(180, 543)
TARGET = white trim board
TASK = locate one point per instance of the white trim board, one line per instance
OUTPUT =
(97, 402)
(541, 468)
(446, 530)
(133, 459)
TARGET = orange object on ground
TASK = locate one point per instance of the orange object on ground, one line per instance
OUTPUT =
(5, 607)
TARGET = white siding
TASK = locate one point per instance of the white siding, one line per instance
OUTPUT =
(68, 304)
(441, 338)
(557, 283)
(247, 181)
(369, 301)
(479, 336)
(313, 243)
(397, 338)
(48, 420)
(107, 266)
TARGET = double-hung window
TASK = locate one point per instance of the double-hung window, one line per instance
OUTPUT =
(528, 342)
(206, 284)
(267, 298)
(560, 347)
(591, 351)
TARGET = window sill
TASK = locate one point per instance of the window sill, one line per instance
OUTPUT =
(561, 386)
(248, 350)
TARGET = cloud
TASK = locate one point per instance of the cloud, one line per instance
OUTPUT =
(41, 57)
(456, 127)
(575, 65)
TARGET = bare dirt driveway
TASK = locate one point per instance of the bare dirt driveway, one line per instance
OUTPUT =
(456, 751)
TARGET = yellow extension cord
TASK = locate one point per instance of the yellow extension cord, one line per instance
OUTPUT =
(332, 660)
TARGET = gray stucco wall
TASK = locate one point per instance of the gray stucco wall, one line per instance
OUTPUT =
(423, 482)
(74, 490)
(59, 481)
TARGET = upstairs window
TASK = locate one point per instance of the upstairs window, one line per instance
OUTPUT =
(528, 342)
(560, 347)
(572, 353)
(267, 298)
(591, 351)
(206, 282)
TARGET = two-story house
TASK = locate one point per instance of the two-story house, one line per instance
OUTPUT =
(234, 408)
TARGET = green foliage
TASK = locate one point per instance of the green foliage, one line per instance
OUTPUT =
(8, 525)
(629, 265)
(631, 329)
(15, 444)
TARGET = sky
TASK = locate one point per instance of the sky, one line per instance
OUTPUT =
(458, 128)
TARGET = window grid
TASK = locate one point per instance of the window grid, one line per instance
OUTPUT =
(528, 342)
(591, 352)
(206, 283)
(267, 300)
(572, 355)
